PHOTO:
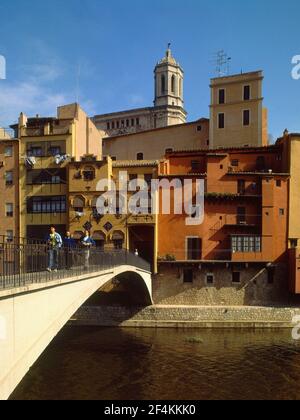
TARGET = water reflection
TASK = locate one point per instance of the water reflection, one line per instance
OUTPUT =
(96, 363)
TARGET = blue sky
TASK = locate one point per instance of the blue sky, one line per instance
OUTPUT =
(104, 52)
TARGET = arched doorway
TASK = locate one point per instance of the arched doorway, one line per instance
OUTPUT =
(141, 238)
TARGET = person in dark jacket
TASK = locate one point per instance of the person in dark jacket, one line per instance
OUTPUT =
(69, 245)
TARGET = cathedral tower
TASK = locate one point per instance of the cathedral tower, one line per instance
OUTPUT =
(168, 101)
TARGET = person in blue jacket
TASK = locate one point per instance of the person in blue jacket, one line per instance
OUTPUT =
(87, 242)
(69, 245)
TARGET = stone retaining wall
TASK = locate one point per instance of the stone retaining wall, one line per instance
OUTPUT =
(187, 316)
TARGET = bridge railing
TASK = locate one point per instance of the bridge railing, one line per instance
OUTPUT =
(26, 262)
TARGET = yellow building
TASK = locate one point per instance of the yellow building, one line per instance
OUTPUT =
(46, 147)
(155, 143)
(111, 231)
(237, 116)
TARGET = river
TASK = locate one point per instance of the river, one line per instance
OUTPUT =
(133, 364)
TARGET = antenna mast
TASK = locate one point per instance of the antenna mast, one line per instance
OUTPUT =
(221, 63)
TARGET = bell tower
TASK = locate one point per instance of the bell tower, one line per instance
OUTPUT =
(169, 78)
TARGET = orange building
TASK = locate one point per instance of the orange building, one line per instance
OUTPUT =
(238, 255)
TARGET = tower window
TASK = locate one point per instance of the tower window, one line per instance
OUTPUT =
(163, 84)
(222, 96)
(247, 93)
(246, 117)
(173, 83)
(180, 87)
(221, 122)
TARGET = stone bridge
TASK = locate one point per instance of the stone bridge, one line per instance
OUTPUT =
(34, 310)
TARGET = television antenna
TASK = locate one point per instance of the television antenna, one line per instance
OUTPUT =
(221, 63)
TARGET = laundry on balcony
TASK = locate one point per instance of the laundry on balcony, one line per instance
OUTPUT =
(59, 159)
(29, 162)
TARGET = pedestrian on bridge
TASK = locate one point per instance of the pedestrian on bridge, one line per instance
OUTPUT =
(55, 243)
(87, 243)
(69, 246)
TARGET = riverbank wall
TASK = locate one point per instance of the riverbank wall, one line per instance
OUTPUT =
(160, 316)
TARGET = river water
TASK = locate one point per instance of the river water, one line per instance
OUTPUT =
(129, 364)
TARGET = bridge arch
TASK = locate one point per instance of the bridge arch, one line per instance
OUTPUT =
(32, 315)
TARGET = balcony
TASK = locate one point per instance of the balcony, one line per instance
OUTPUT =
(141, 219)
(242, 220)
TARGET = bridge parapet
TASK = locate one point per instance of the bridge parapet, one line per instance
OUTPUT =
(25, 262)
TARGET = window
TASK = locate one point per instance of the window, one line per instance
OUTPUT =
(260, 163)
(222, 96)
(9, 210)
(241, 215)
(140, 156)
(180, 87)
(188, 275)
(8, 151)
(49, 176)
(278, 183)
(79, 204)
(209, 279)
(221, 122)
(127, 123)
(168, 151)
(281, 212)
(132, 122)
(241, 186)
(236, 277)
(89, 174)
(246, 117)
(137, 121)
(113, 158)
(245, 243)
(108, 126)
(294, 243)
(163, 84)
(194, 249)
(173, 83)
(247, 93)
(196, 166)
(113, 125)
(9, 236)
(40, 205)
(122, 123)
(9, 178)
(35, 151)
(199, 128)
(118, 124)
(235, 162)
(54, 150)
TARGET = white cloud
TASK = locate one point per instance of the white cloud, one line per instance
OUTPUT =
(28, 97)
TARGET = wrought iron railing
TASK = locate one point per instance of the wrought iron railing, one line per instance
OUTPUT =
(24, 262)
